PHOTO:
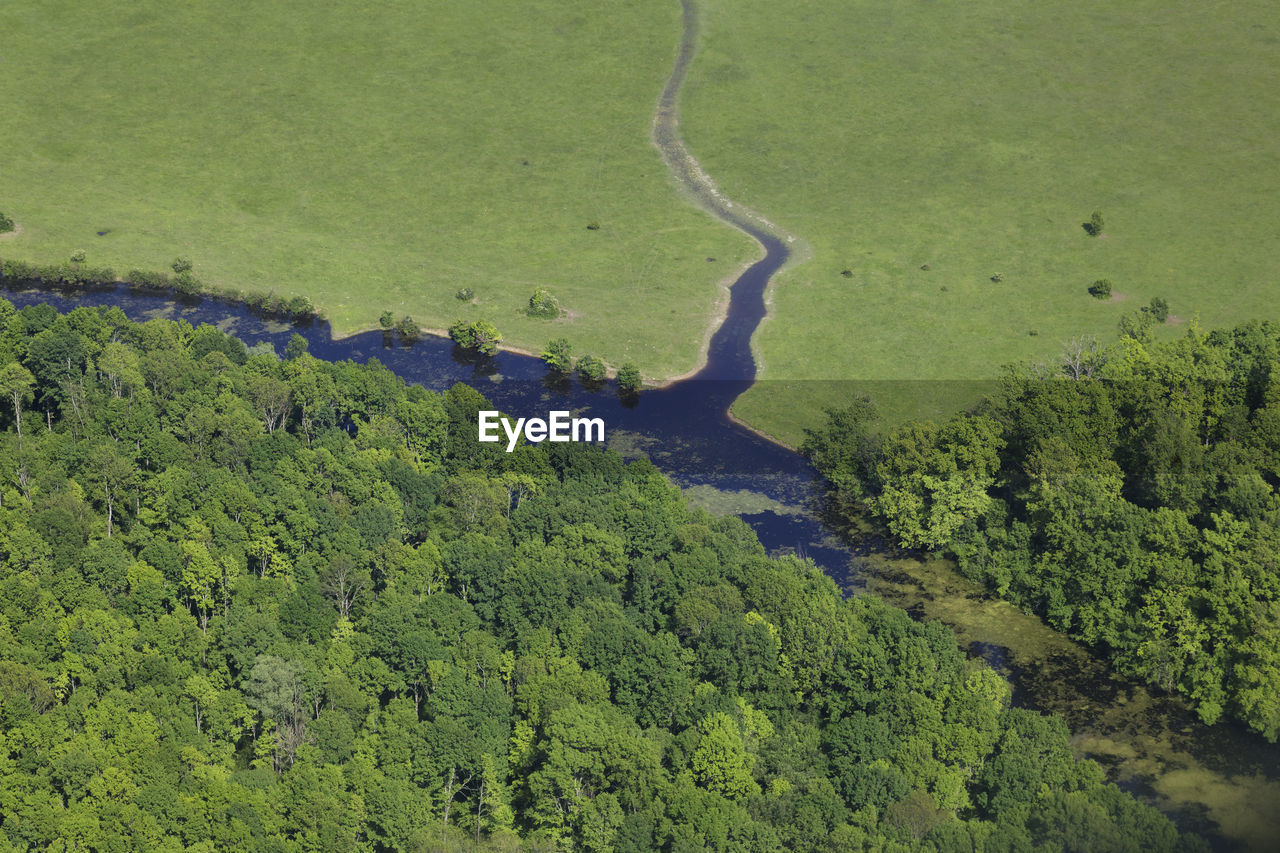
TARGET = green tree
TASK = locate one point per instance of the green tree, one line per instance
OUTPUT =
(543, 304)
(591, 369)
(479, 335)
(559, 356)
(629, 380)
(16, 383)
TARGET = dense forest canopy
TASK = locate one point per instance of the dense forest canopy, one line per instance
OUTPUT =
(1128, 496)
(285, 605)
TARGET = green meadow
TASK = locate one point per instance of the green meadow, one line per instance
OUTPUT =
(974, 139)
(373, 156)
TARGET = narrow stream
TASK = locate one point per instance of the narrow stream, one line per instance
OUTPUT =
(1220, 781)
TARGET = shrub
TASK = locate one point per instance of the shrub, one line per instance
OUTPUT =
(408, 329)
(591, 369)
(300, 306)
(543, 304)
(998, 277)
(466, 294)
(480, 335)
(181, 264)
(1100, 289)
(1094, 225)
(1159, 309)
(559, 356)
(629, 381)
(593, 225)
(6, 224)
(78, 256)
(387, 321)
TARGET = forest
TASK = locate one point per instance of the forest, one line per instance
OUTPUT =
(262, 602)
(1127, 494)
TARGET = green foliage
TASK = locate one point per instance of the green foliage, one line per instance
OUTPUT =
(227, 622)
(408, 330)
(1131, 501)
(387, 321)
(465, 294)
(591, 369)
(629, 379)
(181, 265)
(559, 355)
(78, 256)
(543, 304)
(1159, 309)
(1094, 226)
(479, 335)
(1100, 289)
(297, 347)
(6, 224)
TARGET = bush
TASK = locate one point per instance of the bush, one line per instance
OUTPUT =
(1100, 289)
(181, 264)
(543, 304)
(466, 294)
(78, 256)
(408, 329)
(629, 381)
(387, 321)
(591, 369)
(480, 335)
(1159, 309)
(1094, 225)
(6, 224)
(559, 356)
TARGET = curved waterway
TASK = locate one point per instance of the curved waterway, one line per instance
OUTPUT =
(1220, 781)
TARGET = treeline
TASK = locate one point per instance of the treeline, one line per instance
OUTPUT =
(1128, 495)
(76, 273)
(250, 603)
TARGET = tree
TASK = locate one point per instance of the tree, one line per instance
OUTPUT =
(408, 329)
(479, 335)
(559, 355)
(16, 383)
(629, 381)
(1101, 289)
(543, 304)
(1159, 309)
(591, 369)
(296, 348)
(1094, 225)
(387, 321)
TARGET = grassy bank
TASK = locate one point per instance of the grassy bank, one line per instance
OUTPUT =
(371, 159)
(975, 140)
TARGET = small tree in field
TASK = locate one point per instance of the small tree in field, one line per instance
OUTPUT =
(559, 356)
(1100, 289)
(543, 304)
(1094, 225)
(6, 224)
(1159, 309)
(387, 321)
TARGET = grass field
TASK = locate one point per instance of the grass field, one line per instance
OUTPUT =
(975, 138)
(372, 156)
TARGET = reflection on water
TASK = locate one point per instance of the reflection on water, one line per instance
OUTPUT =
(1220, 781)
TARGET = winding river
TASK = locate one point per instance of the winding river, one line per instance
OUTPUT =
(1220, 781)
